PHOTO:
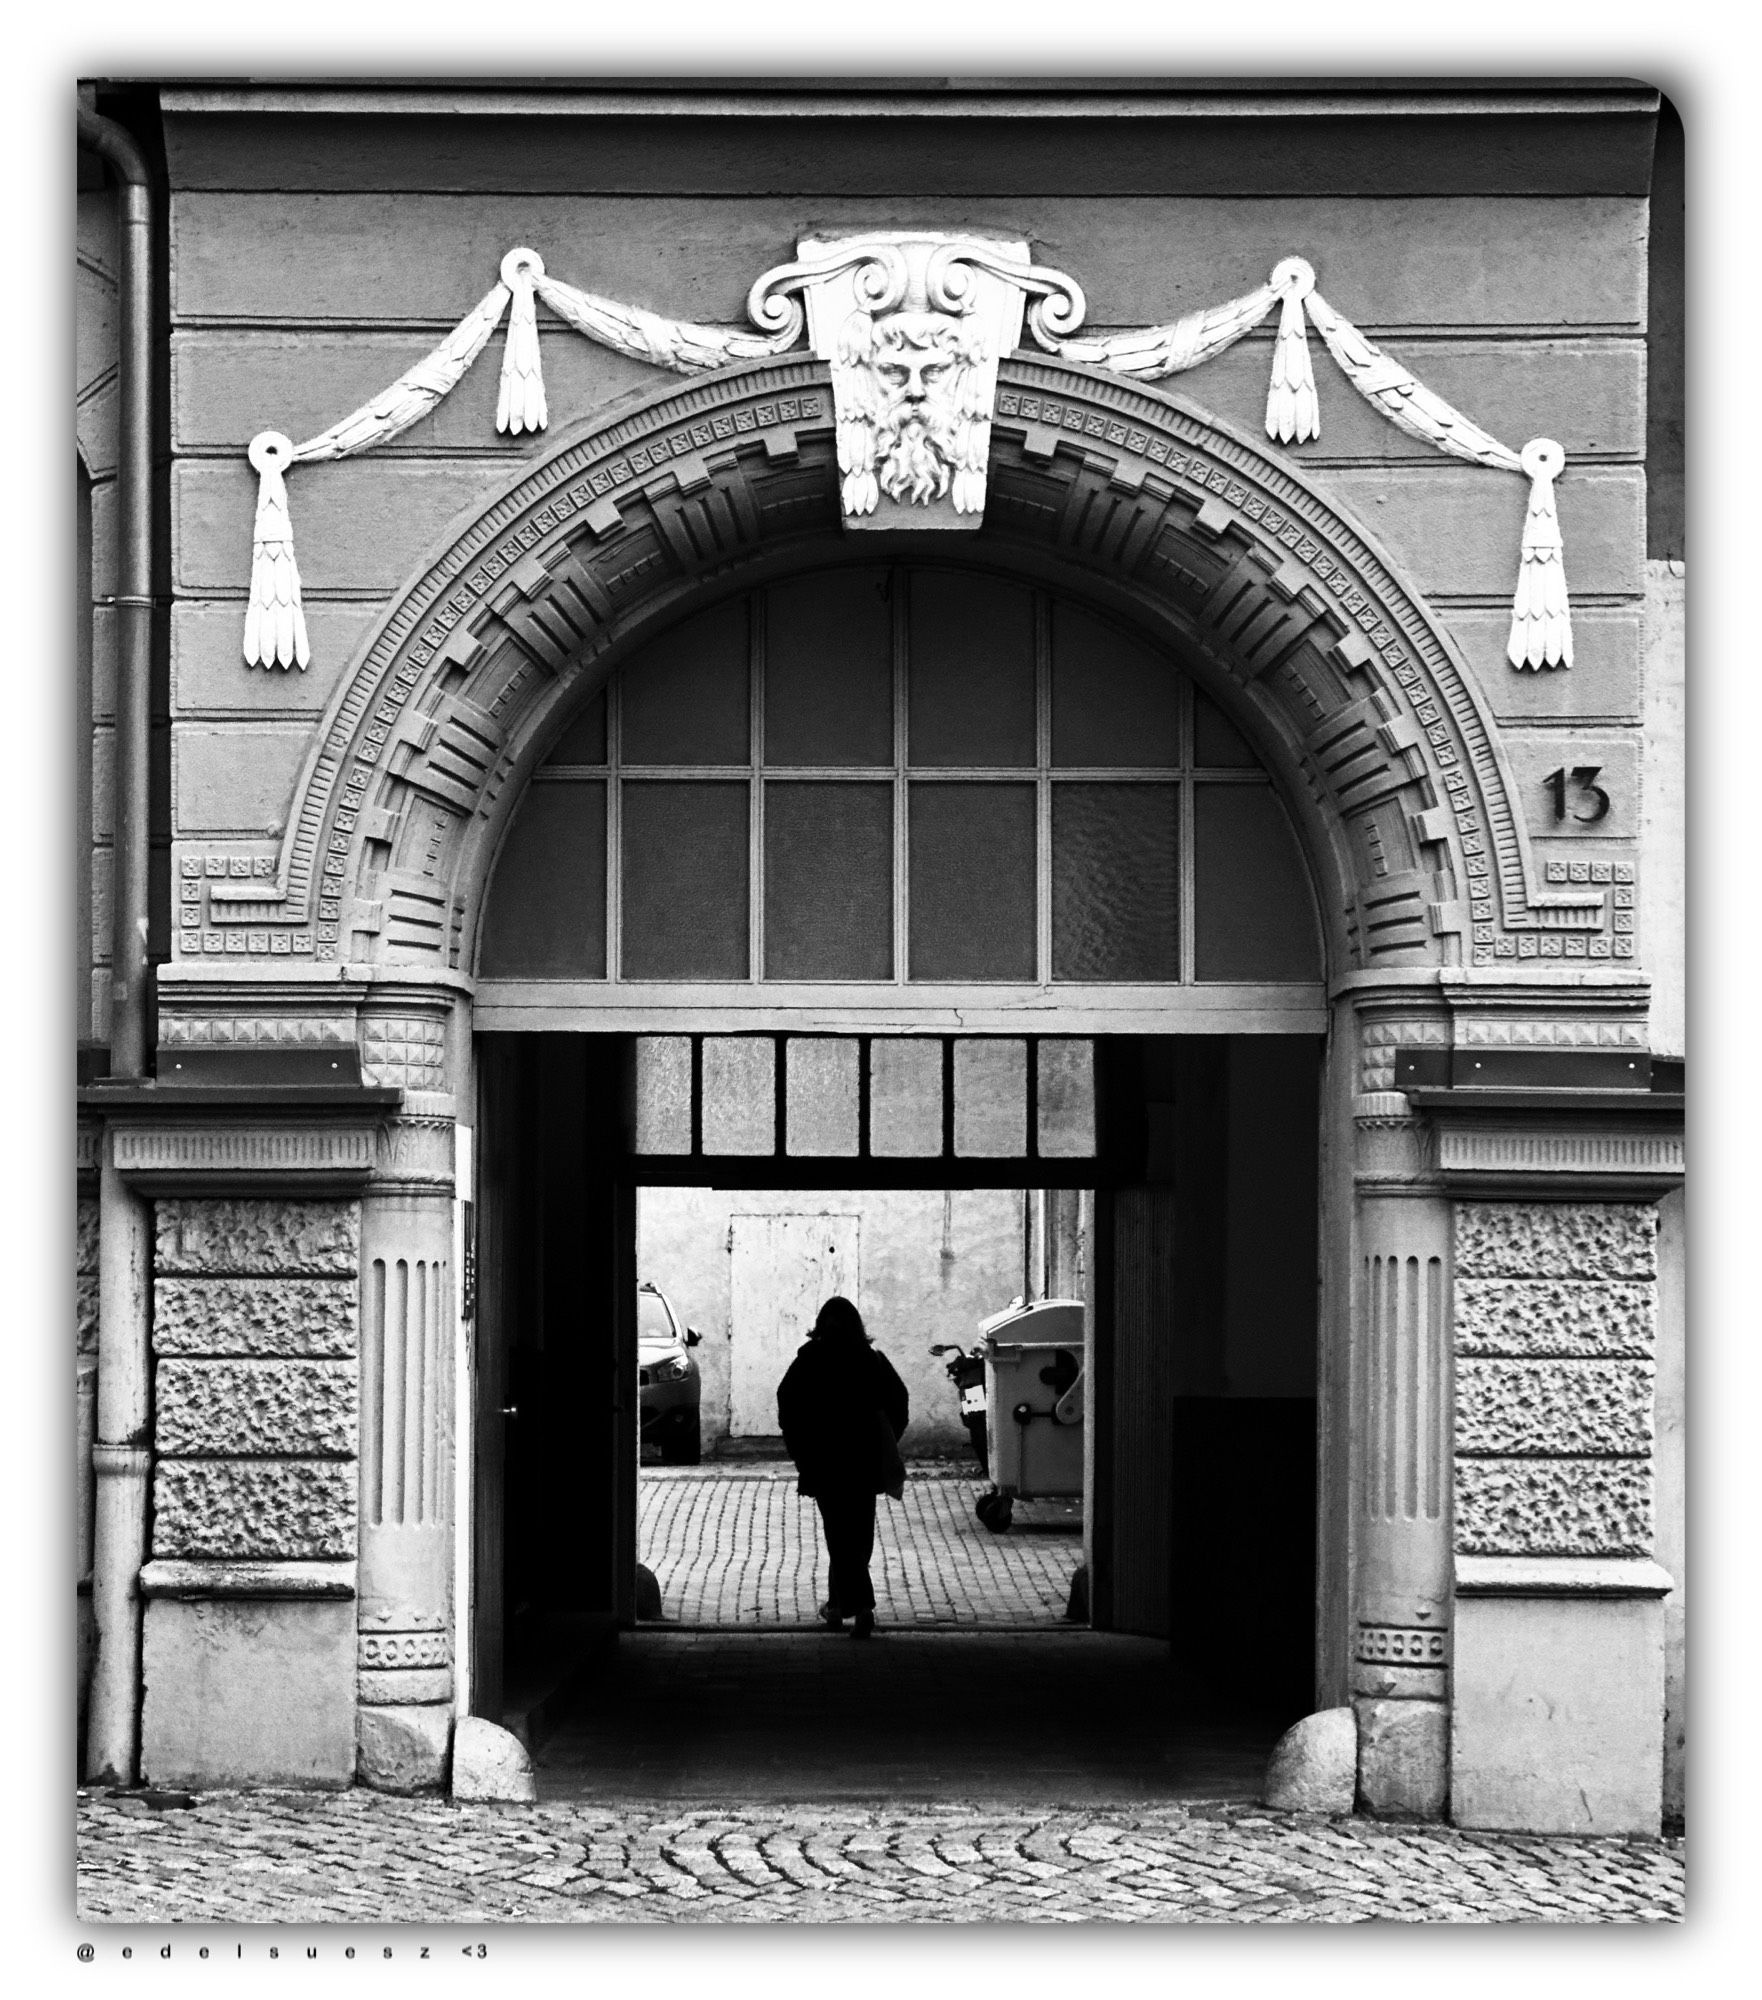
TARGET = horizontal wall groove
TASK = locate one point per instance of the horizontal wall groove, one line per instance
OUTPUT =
(1505, 333)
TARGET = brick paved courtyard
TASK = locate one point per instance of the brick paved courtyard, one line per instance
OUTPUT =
(356, 1857)
(736, 1544)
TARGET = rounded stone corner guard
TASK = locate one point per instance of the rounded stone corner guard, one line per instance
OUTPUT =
(1208, 540)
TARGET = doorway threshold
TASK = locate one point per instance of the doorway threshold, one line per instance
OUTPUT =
(1060, 1717)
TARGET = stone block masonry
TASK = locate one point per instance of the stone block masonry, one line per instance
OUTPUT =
(1555, 1318)
(248, 1648)
(256, 1394)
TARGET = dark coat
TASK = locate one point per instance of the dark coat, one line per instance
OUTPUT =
(826, 1405)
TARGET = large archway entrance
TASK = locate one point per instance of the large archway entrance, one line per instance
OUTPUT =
(854, 805)
(1191, 540)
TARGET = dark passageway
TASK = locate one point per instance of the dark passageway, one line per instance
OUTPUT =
(1071, 1718)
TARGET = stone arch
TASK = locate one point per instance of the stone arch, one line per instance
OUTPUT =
(1281, 608)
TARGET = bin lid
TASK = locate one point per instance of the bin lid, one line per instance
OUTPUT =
(1046, 1323)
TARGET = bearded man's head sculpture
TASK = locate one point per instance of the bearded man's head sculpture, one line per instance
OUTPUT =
(913, 410)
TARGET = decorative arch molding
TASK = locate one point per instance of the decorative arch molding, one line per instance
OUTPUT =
(1284, 610)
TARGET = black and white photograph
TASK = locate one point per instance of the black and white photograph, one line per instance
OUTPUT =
(879, 978)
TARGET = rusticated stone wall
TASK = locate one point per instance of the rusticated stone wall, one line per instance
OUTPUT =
(1555, 1326)
(255, 1390)
(86, 1276)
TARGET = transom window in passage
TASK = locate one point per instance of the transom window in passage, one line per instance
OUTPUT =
(906, 775)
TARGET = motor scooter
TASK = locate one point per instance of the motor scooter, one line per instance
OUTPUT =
(966, 1370)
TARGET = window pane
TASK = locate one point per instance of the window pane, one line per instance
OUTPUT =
(1252, 911)
(1114, 701)
(972, 670)
(828, 881)
(1116, 882)
(685, 881)
(829, 670)
(972, 882)
(1217, 741)
(584, 741)
(683, 697)
(546, 917)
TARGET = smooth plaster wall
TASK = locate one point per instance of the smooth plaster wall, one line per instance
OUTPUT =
(1670, 1466)
(246, 1691)
(1664, 827)
(1555, 1723)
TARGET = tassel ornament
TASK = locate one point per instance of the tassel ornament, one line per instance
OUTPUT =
(1541, 614)
(275, 626)
(1293, 415)
(520, 403)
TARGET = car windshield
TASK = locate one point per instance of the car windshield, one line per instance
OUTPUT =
(652, 1321)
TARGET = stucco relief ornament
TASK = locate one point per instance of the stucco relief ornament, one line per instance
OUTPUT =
(912, 324)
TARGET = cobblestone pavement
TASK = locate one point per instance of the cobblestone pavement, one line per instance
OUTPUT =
(736, 1544)
(355, 1857)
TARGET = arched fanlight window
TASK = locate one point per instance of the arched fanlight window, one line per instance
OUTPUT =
(906, 776)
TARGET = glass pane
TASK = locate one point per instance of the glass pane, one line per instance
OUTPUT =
(653, 1321)
(685, 881)
(663, 1093)
(829, 670)
(546, 917)
(972, 670)
(740, 1094)
(972, 882)
(1217, 742)
(990, 1100)
(1252, 911)
(1115, 702)
(828, 881)
(683, 697)
(1116, 882)
(1064, 1099)
(905, 1099)
(584, 741)
(822, 1095)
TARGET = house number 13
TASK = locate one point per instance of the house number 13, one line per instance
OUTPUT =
(1578, 784)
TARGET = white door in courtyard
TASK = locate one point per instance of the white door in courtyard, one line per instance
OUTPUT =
(785, 1268)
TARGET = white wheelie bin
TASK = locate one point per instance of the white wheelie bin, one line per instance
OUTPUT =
(1034, 1361)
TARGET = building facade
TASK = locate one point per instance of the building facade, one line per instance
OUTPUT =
(1124, 642)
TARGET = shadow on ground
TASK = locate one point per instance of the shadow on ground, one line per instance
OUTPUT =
(1065, 1718)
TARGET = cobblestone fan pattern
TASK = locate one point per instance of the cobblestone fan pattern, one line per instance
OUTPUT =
(358, 1857)
(742, 1547)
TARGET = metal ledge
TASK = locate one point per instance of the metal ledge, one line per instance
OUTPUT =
(1471, 1097)
(147, 1097)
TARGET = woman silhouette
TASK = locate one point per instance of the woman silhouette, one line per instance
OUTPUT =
(842, 1408)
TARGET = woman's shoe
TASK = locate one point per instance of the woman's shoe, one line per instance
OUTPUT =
(831, 1617)
(862, 1626)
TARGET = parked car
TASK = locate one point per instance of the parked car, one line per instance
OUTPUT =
(669, 1388)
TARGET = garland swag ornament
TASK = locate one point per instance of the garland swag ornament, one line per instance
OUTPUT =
(913, 324)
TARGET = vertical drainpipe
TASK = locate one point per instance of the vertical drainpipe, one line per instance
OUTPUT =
(120, 1455)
